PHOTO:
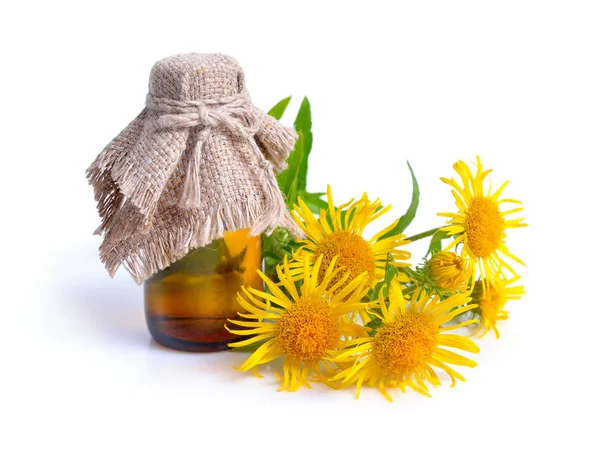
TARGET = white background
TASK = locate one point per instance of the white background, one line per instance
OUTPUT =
(515, 82)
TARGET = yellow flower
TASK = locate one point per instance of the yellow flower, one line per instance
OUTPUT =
(480, 224)
(491, 302)
(308, 327)
(339, 233)
(407, 346)
(448, 272)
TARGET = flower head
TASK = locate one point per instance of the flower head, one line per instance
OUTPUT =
(338, 232)
(407, 345)
(448, 272)
(480, 224)
(492, 300)
(307, 326)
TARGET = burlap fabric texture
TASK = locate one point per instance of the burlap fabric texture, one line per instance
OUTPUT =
(199, 160)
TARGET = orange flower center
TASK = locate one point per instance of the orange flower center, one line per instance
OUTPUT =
(354, 254)
(307, 330)
(405, 344)
(484, 226)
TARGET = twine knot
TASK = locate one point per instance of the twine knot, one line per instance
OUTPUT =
(203, 114)
(237, 114)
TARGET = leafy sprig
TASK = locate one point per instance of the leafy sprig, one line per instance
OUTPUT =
(292, 183)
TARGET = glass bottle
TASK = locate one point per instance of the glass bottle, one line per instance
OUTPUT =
(188, 303)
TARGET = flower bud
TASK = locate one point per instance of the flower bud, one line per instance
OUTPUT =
(448, 271)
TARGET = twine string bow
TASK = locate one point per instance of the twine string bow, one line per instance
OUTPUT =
(235, 114)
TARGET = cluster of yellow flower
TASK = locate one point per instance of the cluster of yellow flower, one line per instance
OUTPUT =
(336, 316)
(480, 226)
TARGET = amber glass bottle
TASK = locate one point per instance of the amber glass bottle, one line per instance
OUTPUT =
(188, 303)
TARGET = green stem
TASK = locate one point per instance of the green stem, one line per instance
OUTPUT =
(409, 290)
(420, 236)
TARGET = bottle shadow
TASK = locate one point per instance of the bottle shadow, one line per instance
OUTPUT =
(111, 311)
(108, 310)
(109, 314)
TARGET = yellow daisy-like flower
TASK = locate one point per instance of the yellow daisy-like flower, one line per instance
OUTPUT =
(307, 326)
(339, 233)
(491, 302)
(448, 272)
(480, 224)
(408, 344)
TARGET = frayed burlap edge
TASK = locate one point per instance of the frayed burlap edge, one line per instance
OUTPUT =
(163, 246)
(107, 193)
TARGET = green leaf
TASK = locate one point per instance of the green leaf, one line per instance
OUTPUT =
(375, 291)
(292, 181)
(270, 255)
(303, 124)
(373, 325)
(390, 272)
(292, 194)
(435, 245)
(416, 276)
(288, 179)
(314, 201)
(345, 216)
(278, 109)
(408, 217)
(276, 247)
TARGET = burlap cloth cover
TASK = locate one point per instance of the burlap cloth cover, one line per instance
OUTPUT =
(200, 159)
